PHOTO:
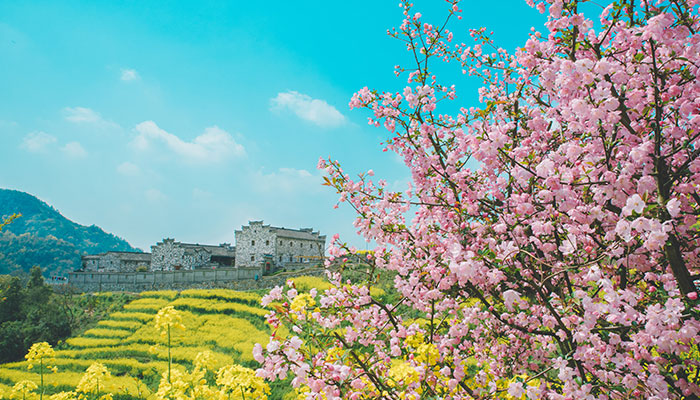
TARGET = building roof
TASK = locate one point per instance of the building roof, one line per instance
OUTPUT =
(304, 233)
(224, 250)
(123, 255)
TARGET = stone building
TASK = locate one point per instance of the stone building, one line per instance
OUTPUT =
(170, 255)
(272, 248)
(116, 261)
(259, 248)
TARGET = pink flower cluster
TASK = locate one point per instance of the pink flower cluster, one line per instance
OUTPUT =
(549, 239)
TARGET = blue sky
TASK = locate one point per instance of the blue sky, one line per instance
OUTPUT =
(187, 119)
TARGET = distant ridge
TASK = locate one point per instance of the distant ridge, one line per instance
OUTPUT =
(44, 237)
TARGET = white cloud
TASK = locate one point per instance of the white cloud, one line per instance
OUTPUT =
(74, 149)
(42, 142)
(213, 145)
(287, 180)
(37, 142)
(155, 196)
(129, 74)
(84, 115)
(128, 169)
(81, 115)
(313, 110)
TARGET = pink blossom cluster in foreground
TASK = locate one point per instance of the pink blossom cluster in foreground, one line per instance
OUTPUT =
(547, 246)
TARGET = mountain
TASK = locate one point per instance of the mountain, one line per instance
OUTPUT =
(44, 237)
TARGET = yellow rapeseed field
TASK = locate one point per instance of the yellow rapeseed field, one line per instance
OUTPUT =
(225, 323)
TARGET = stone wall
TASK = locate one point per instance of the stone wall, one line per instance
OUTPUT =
(226, 278)
(258, 244)
(91, 263)
(252, 242)
(169, 255)
(296, 251)
(112, 262)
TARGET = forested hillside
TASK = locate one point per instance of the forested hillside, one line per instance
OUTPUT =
(44, 237)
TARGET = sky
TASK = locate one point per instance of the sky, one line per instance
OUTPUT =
(187, 119)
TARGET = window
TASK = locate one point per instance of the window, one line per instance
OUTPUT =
(311, 246)
(267, 243)
(252, 242)
(252, 258)
(280, 258)
(291, 244)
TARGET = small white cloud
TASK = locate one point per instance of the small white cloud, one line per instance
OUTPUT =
(81, 115)
(155, 196)
(128, 169)
(298, 173)
(84, 115)
(74, 150)
(129, 74)
(213, 145)
(287, 180)
(37, 142)
(309, 109)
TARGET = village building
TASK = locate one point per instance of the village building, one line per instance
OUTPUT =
(116, 261)
(272, 248)
(170, 255)
(262, 247)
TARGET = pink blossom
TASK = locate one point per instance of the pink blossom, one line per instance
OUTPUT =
(674, 207)
(545, 168)
(568, 245)
(634, 204)
(582, 139)
(509, 297)
(516, 389)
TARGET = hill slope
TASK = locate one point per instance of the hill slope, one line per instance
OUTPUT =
(44, 237)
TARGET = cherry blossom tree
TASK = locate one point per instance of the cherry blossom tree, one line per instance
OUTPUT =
(547, 246)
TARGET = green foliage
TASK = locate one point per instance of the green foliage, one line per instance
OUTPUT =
(33, 313)
(42, 236)
(27, 316)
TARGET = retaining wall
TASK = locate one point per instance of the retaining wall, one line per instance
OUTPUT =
(228, 278)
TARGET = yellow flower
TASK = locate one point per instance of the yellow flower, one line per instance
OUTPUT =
(235, 379)
(414, 340)
(94, 376)
(39, 353)
(403, 373)
(204, 360)
(64, 396)
(168, 317)
(427, 353)
(22, 389)
(301, 302)
(175, 389)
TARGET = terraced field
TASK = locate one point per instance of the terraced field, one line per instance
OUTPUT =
(225, 322)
